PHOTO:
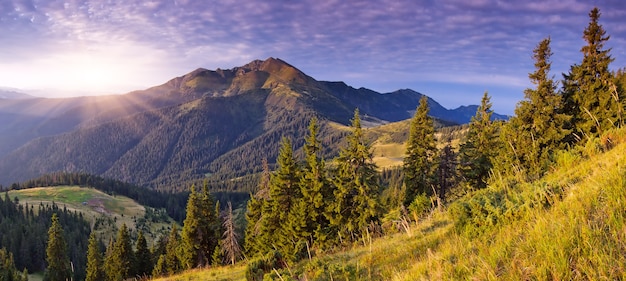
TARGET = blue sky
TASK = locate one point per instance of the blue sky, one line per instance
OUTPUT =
(451, 50)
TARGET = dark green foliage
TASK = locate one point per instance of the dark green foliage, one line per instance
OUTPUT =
(447, 172)
(8, 272)
(169, 263)
(589, 89)
(538, 127)
(120, 258)
(95, 265)
(316, 191)
(143, 258)
(24, 233)
(56, 254)
(173, 203)
(258, 267)
(420, 163)
(254, 214)
(479, 147)
(201, 229)
(356, 187)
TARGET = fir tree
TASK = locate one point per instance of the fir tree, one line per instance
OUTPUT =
(356, 181)
(254, 212)
(200, 233)
(119, 259)
(95, 270)
(477, 152)
(588, 87)
(280, 224)
(7, 267)
(56, 254)
(143, 257)
(316, 190)
(538, 127)
(447, 170)
(420, 162)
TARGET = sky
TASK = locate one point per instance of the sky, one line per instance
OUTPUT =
(450, 50)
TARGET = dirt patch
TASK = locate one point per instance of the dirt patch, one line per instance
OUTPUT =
(97, 205)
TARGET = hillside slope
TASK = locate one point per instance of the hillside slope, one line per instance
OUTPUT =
(568, 225)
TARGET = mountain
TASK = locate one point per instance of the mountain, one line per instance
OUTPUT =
(217, 124)
(13, 94)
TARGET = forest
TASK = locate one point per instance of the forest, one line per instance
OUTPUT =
(311, 204)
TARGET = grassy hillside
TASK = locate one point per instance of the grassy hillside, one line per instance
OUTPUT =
(109, 211)
(568, 225)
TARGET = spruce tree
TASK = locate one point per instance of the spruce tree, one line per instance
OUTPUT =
(200, 233)
(447, 170)
(169, 263)
(420, 163)
(120, 259)
(538, 127)
(587, 88)
(7, 267)
(356, 194)
(316, 190)
(95, 265)
(56, 254)
(477, 152)
(254, 214)
(281, 225)
(111, 263)
(143, 257)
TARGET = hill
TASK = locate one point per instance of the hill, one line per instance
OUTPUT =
(191, 127)
(567, 225)
(105, 212)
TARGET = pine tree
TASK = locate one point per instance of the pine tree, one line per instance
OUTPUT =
(420, 161)
(200, 233)
(538, 127)
(95, 270)
(169, 263)
(56, 254)
(316, 190)
(143, 257)
(447, 170)
(588, 87)
(119, 258)
(7, 267)
(356, 181)
(230, 243)
(478, 150)
(285, 192)
(254, 214)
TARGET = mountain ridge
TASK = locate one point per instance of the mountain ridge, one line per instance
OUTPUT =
(197, 124)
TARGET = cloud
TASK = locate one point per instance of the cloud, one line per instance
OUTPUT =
(403, 41)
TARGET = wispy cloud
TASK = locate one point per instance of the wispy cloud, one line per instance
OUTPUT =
(366, 43)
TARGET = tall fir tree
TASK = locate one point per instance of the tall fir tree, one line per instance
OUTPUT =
(111, 263)
(284, 195)
(254, 242)
(169, 263)
(480, 146)
(121, 260)
(356, 195)
(200, 234)
(316, 190)
(420, 163)
(539, 124)
(447, 170)
(143, 257)
(56, 254)
(587, 88)
(95, 265)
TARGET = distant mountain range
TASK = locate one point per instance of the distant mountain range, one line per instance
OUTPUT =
(13, 94)
(206, 123)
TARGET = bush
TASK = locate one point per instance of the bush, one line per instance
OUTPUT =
(259, 266)
(419, 206)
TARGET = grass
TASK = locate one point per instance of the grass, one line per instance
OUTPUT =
(568, 225)
(93, 204)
